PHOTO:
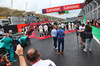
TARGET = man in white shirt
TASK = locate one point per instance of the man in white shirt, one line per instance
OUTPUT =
(82, 27)
(73, 26)
(34, 58)
(69, 26)
(41, 30)
(46, 29)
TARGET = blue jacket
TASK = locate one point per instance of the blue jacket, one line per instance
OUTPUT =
(88, 34)
(60, 33)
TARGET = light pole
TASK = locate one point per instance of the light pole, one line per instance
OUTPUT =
(92, 11)
(97, 7)
(26, 5)
(50, 6)
(11, 3)
(88, 11)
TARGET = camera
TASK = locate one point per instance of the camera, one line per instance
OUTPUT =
(7, 54)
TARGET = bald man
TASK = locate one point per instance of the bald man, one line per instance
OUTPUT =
(34, 58)
(10, 33)
(9, 47)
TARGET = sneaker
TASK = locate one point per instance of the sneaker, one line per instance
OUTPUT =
(14, 61)
(56, 48)
(85, 50)
(61, 52)
(58, 53)
(90, 50)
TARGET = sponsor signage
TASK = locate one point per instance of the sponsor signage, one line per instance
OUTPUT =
(63, 8)
(71, 7)
(54, 9)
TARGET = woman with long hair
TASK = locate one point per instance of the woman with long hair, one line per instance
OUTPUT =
(89, 36)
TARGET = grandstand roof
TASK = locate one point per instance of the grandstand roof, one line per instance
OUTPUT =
(4, 11)
(10, 12)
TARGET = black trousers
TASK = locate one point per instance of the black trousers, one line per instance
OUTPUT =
(55, 42)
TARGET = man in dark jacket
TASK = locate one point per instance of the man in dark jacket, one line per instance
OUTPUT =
(60, 36)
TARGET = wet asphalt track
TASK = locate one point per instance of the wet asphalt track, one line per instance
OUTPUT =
(73, 53)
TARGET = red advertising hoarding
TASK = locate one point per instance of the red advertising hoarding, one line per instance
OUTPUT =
(54, 9)
(63, 8)
(19, 27)
(71, 7)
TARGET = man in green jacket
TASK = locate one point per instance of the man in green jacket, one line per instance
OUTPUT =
(9, 47)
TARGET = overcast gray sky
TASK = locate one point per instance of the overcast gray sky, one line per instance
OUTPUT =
(38, 5)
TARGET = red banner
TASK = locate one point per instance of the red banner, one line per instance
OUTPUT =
(71, 7)
(63, 8)
(19, 27)
(54, 9)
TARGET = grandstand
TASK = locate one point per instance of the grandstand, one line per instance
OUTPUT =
(91, 10)
(15, 16)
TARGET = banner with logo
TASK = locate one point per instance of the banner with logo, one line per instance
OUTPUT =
(63, 8)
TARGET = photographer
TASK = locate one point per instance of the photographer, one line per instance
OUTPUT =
(4, 61)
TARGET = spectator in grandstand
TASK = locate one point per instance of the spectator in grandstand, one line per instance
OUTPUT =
(9, 47)
(89, 36)
(60, 36)
(33, 57)
(99, 23)
(54, 35)
(41, 30)
(10, 33)
(46, 29)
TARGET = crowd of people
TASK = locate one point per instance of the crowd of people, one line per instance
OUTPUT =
(57, 31)
(7, 60)
(85, 33)
(94, 22)
(45, 29)
(27, 30)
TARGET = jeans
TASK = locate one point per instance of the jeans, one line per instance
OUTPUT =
(55, 42)
(60, 41)
(88, 42)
